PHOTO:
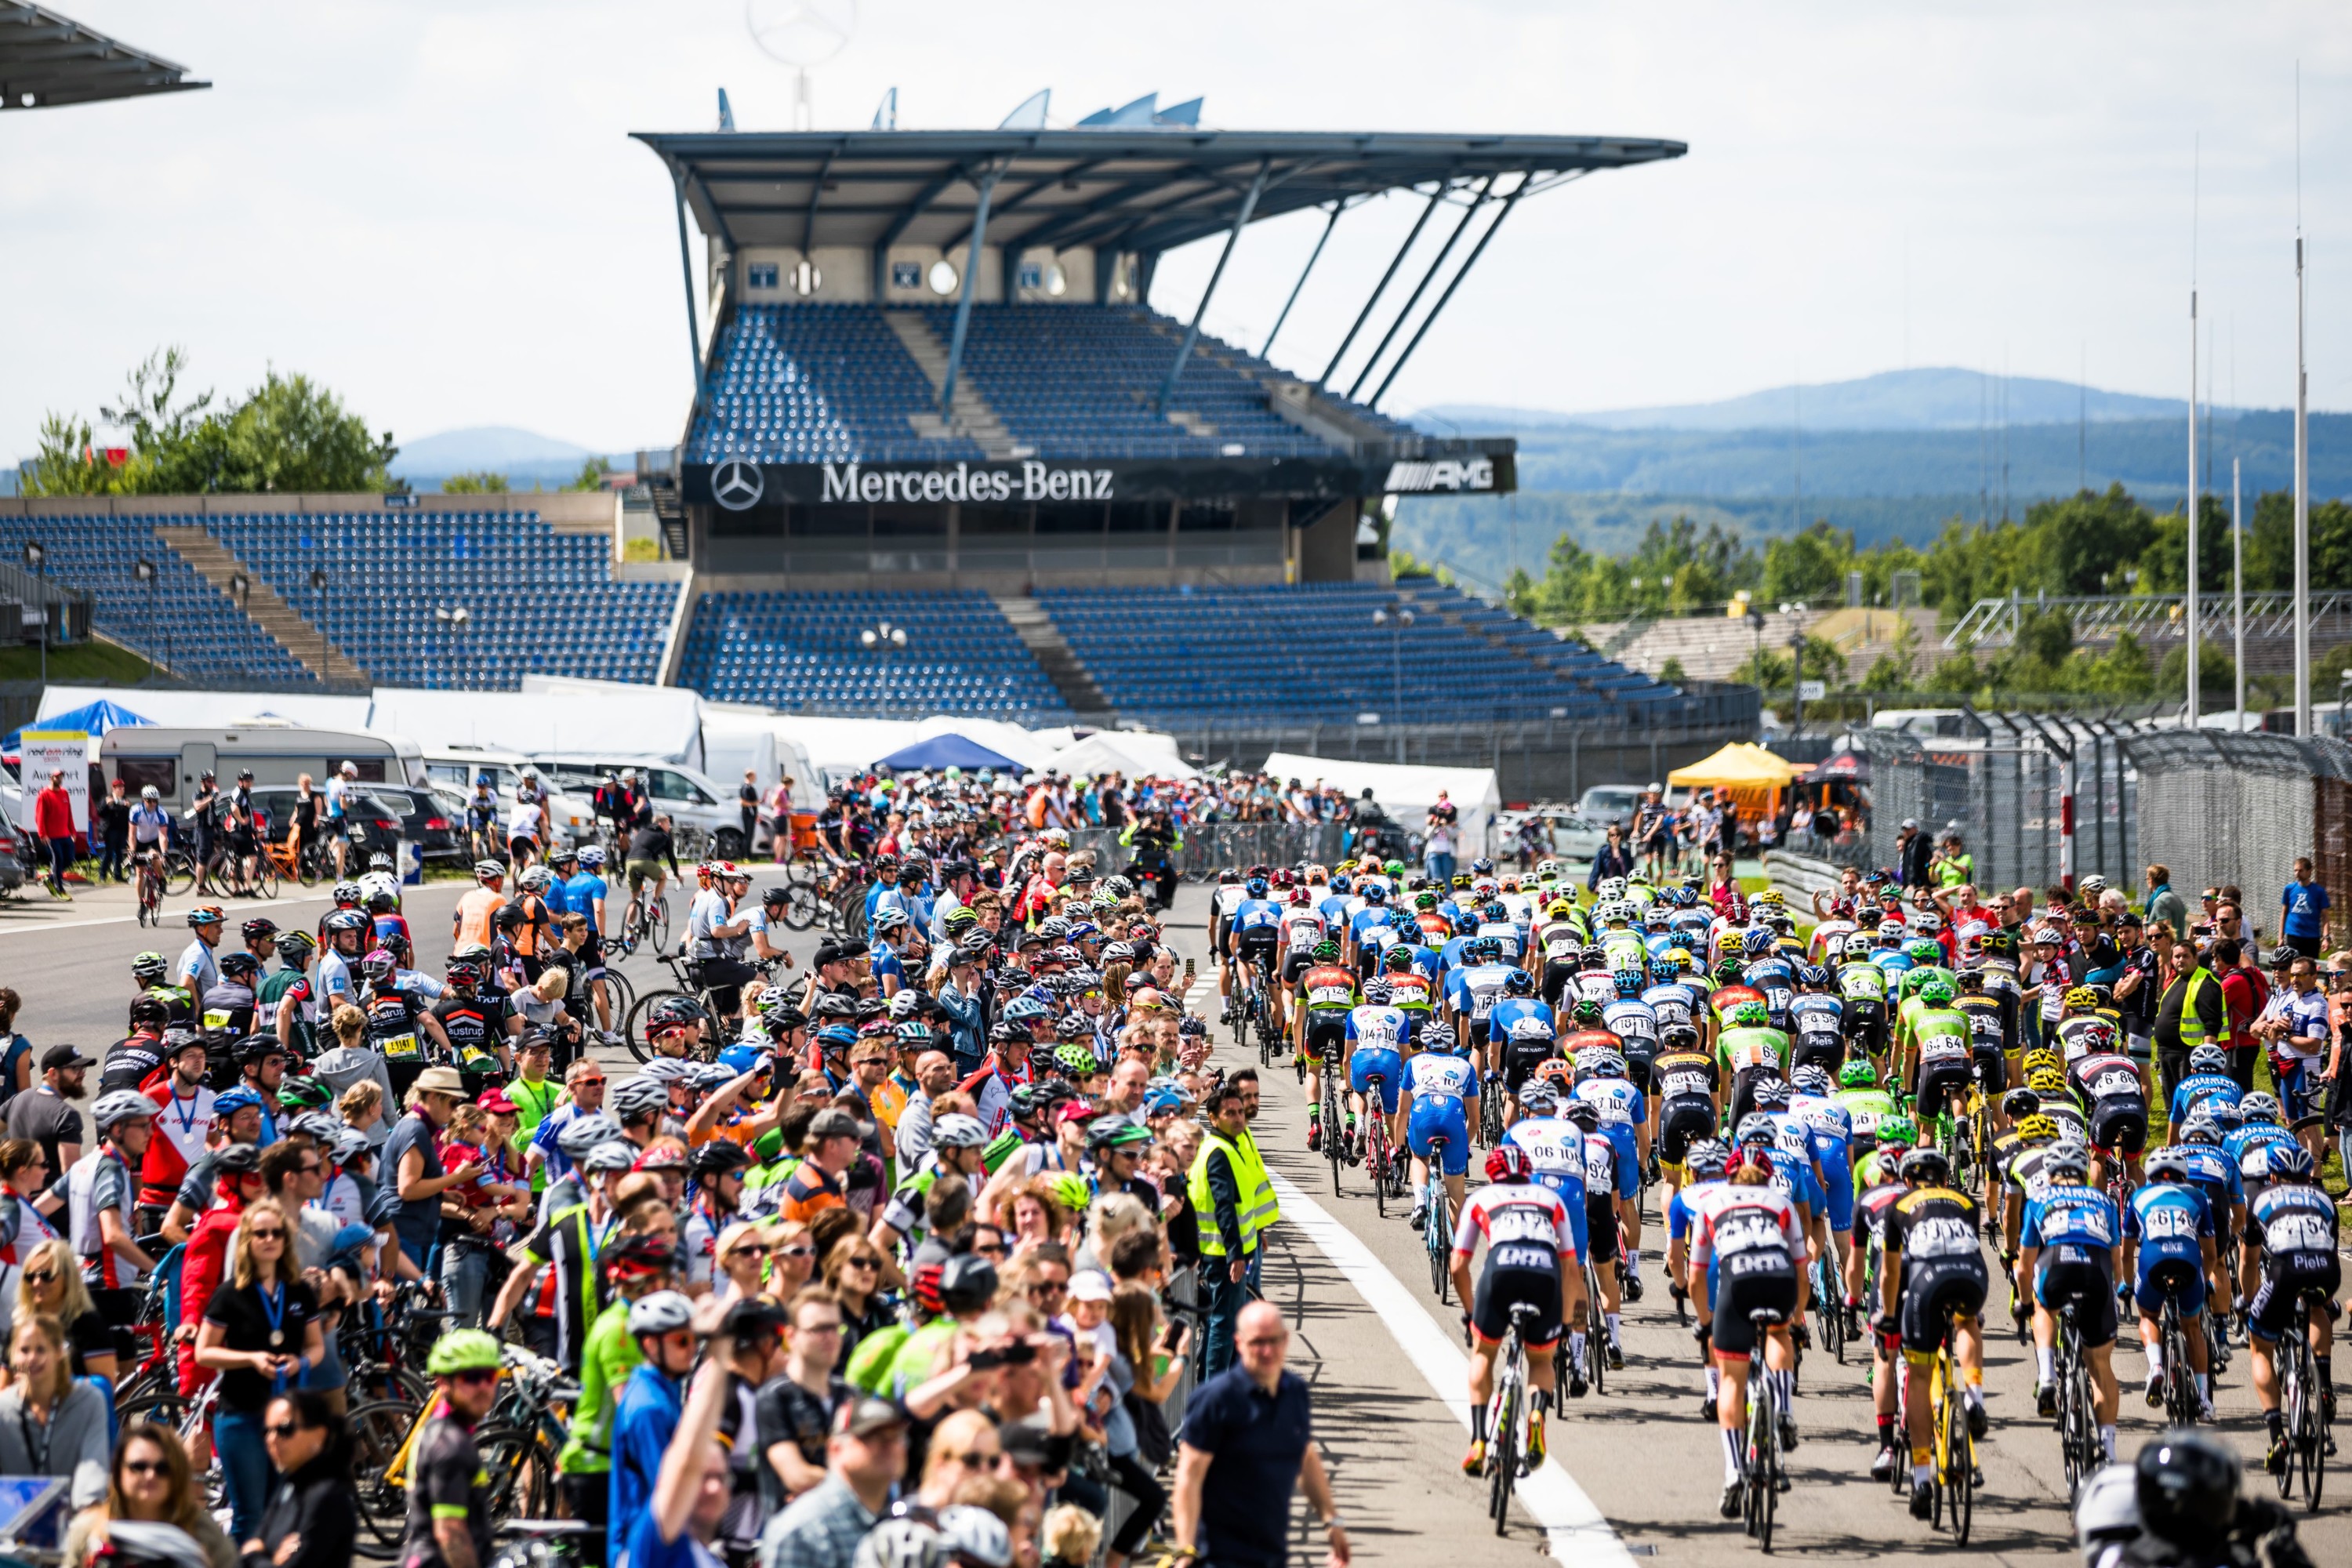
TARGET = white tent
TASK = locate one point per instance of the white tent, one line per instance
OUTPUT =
(1135, 754)
(738, 735)
(182, 710)
(1405, 793)
(550, 717)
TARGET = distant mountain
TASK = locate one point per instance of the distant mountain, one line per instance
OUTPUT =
(526, 457)
(1932, 399)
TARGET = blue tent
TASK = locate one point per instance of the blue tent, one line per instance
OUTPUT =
(947, 750)
(95, 719)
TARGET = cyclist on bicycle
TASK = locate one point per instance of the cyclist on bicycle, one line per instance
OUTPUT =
(1935, 1051)
(2169, 1250)
(2113, 1087)
(450, 1523)
(151, 835)
(1254, 932)
(1442, 1089)
(1932, 1285)
(1751, 1051)
(1327, 1001)
(1526, 1034)
(2295, 1222)
(1746, 1249)
(2077, 1226)
(1532, 1260)
(2208, 1079)
(1375, 1043)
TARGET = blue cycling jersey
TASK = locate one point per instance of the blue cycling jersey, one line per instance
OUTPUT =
(2070, 1215)
(2199, 1086)
(2170, 1222)
(1510, 1010)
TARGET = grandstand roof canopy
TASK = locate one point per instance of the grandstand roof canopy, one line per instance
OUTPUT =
(47, 59)
(1142, 189)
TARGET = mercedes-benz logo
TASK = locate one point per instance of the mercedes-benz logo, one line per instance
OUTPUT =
(736, 484)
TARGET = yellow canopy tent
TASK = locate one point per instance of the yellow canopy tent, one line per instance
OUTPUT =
(1745, 771)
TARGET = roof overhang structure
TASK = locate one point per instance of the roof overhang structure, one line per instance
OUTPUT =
(48, 60)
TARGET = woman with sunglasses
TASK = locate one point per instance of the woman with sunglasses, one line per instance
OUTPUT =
(150, 1484)
(50, 1424)
(738, 1261)
(261, 1333)
(313, 1518)
(50, 1282)
(791, 1259)
(853, 1271)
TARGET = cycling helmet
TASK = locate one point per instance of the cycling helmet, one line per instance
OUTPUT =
(1926, 1167)
(1748, 1016)
(1936, 991)
(1584, 1113)
(1812, 1079)
(2185, 1486)
(1509, 1163)
(2046, 1080)
(295, 948)
(1924, 950)
(1378, 992)
(2195, 1128)
(1812, 975)
(1586, 1013)
(958, 1131)
(614, 1155)
(1898, 1132)
(2261, 1107)
(2209, 1059)
(343, 921)
(483, 871)
(592, 858)
(149, 1011)
(1519, 983)
(2020, 1103)
(1858, 1074)
(967, 1283)
(582, 1134)
(123, 1105)
(258, 928)
(638, 1096)
(1755, 942)
(673, 1013)
(2067, 1161)
(1256, 888)
(2291, 1162)
(1439, 1036)
(2081, 998)
(303, 1091)
(204, 915)
(2167, 1165)
(1537, 1098)
(1770, 1094)
(646, 1254)
(972, 1537)
(535, 880)
(1758, 1131)
(235, 963)
(463, 1350)
(2034, 1128)
(1706, 1160)
(1631, 982)
(1077, 1058)
(661, 1312)
(148, 968)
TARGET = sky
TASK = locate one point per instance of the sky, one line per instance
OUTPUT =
(433, 205)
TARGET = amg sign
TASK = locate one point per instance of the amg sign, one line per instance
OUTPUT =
(1028, 481)
(1445, 474)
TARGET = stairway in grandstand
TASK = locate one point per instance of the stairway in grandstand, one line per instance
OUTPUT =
(286, 626)
(970, 414)
(1054, 654)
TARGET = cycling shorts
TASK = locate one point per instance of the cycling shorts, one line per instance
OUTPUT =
(1478, 1034)
(1933, 1290)
(2118, 1125)
(1295, 963)
(1638, 1054)
(1992, 1068)
(1599, 1230)
(2182, 1276)
(1327, 1036)
(1772, 1288)
(1365, 1063)
(1520, 1060)
(520, 845)
(1818, 1046)
(1685, 1119)
(1743, 1091)
(1262, 942)
(1865, 1020)
(1518, 1272)
(2080, 1275)
(1556, 974)
(1839, 1209)
(2285, 1277)
(1441, 1117)
(1937, 1079)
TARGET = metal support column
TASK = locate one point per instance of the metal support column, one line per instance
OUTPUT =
(970, 283)
(1233, 237)
(1469, 214)
(1398, 260)
(1443, 299)
(685, 267)
(1312, 257)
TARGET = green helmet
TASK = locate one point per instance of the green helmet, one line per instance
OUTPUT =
(303, 1092)
(1900, 1130)
(149, 967)
(1936, 991)
(767, 1145)
(1076, 1058)
(1857, 1074)
(1326, 951)
(1072, 1191)
(1393, 868)
(1924, 950)
(1748, 1016)
(462, 1349)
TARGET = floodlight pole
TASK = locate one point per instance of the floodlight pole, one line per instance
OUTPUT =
(2189, 606)
(1312, 257)
(970, 283)
(1233, 237)
(1365, 314)
(1477, 200)
(2238, 589)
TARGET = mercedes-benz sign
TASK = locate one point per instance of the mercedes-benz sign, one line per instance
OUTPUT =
(736, 484)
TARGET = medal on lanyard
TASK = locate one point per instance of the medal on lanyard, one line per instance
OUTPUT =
(273, 1302)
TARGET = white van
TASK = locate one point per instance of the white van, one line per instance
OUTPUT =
(172, 760)
(569, 811)
(696, 802)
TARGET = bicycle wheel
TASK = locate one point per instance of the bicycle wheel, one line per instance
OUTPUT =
(1958, 1476)
(1376, 1152)
(265, 876)
(2313, 1443)
(166, 1409)
(803, 905)
(518, 1461)
(179, 874)
(379, 1430)
(1596, 1332)
(1502, 1445)
(633, 1031)
(624, 995)
(1334, 1130)
(1764, 1460)
(1433, 1235)
(657, 925)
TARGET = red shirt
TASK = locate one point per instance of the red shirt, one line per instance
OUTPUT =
(205, 1257)
(2245, 994)
(53, 813)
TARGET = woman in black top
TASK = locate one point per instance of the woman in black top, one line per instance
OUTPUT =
(261, 1333)
(50, 1281)
(311, 1522)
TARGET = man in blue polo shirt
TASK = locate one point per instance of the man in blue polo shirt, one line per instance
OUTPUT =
(2304, 901)
(1248, 1438)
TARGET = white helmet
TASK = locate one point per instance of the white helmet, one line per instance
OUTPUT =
(661, 1312)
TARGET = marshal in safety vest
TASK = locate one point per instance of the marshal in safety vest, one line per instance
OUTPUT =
(1257, 1206)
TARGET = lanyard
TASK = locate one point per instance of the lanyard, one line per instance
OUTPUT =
(186, 1109)
(273, 1306)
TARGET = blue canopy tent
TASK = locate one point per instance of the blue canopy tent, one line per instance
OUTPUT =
(91, 717)
(947, 750)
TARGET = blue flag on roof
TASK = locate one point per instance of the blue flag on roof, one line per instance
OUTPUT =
(93, 718)
(947, 750)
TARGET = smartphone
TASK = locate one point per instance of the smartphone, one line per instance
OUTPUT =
(1174, 1337)
(1188, 970)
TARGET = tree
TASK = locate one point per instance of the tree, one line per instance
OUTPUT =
(1887, 674)
(592, 474)
(1809, 566)
(1519, 592)
(1822, 662)
(66, 464)
(1672, 672)
(483, 483)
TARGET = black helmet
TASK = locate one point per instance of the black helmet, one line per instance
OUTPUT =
(967, 1283)
(717, 1158)
(2187, 1489)
(258, 928)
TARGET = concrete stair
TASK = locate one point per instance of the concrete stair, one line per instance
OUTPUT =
(970, 414)
(1043, 639)
(286, 626)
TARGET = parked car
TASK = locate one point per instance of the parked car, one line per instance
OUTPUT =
(1602, 802)
(696, 802)
(1572, 836)
(383, 815)
(570, 813)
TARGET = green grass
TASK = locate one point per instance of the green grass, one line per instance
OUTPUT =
(91, 663)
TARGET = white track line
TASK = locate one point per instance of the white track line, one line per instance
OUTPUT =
(230, 910)
(1578, 1533)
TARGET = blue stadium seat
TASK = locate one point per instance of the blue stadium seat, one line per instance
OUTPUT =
(801, 651)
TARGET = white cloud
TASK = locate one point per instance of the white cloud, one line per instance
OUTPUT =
(435, 208)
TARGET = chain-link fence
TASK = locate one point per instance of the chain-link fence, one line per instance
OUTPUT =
(2004, 788)
(2220, 810)
(1210, 845)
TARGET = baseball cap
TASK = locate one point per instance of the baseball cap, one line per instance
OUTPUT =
(63, 1057)
(833, 1124)
(864, 1417)
(1090, 1285)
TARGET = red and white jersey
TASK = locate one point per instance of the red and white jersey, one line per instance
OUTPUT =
(1731, 1221)
(183, 1130)
(1512, 1215)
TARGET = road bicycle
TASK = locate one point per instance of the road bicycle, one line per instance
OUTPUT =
(1508, 1418)
(1490, 1110)
(1956, 1474)
(644, 922)
(2303, 1407)
(2078, 1429)
(2179, 1391)
(1380, 1157)
(1596, 1330)
(1829, 1306)
(1762, 1479)
(149, 883)
(1335, 1137)
(1437, 1228)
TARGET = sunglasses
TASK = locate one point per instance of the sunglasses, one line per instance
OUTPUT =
(793, 1252)
(479, 1377)
(865, 1263)
(40, 1276)
(146, 1467)
(1046, 1288)
(271, 1234)
(748, 1249)
(281, 1430)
